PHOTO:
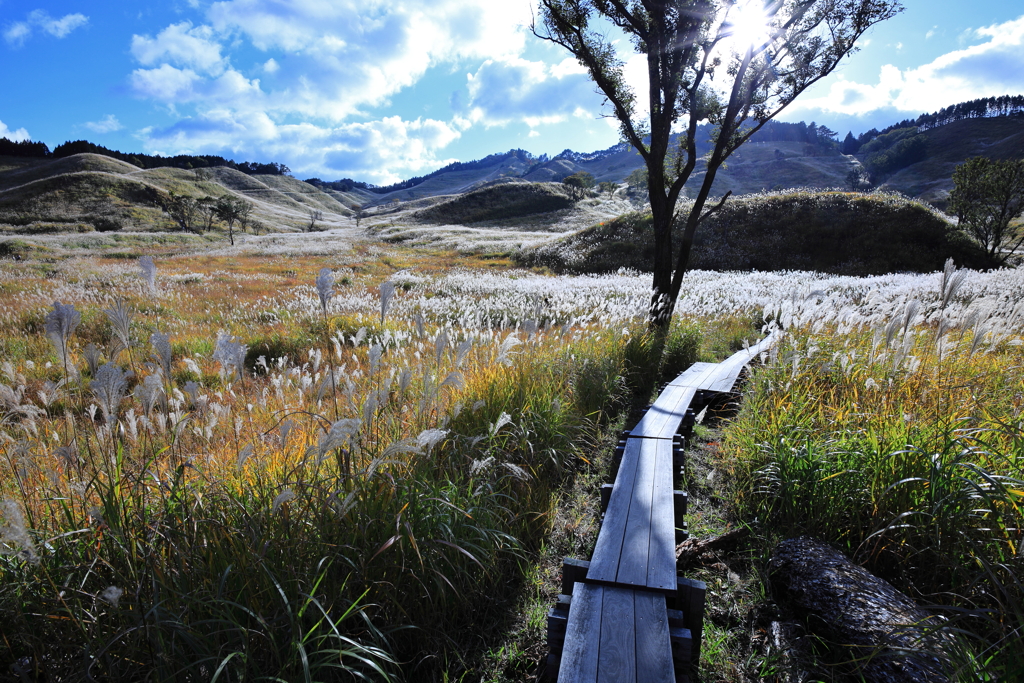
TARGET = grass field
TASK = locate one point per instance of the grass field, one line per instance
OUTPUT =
(251, 466)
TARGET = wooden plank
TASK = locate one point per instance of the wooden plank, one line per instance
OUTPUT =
(636, 544)
(582, 636)
(661, 421)
(723, 379)
(693, 375)
(653, 643)
(661, 564)
(604, 563)
(616, 661)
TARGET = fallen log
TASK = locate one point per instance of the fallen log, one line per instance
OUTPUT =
(695, 550)
(884, 631)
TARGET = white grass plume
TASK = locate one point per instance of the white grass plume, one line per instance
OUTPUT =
(109, 386)
(148, 269)
(325, 287)
(15, 533)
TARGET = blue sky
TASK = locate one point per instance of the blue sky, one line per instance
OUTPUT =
(384, 90)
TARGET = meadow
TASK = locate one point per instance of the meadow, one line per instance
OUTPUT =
(250, 466)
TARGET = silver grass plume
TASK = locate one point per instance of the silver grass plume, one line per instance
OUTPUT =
(60, 324)
(440, 344)
(282, 498)
(92, 358)
(387, 291)
(339, 435)
(325, 287)
(120, 317)
(148, 272)
(460, 353)
(109, 386)
(952, 280)
(286, 428)
(429, 438)
(15, 533)
(161, 344)
(149, 393)
(111, 595)
(230, 353)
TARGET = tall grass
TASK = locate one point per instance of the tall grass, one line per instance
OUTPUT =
(901, 442)
(188, 512)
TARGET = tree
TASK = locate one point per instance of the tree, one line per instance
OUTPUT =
(608, 188)
(636, 182)
(315, 215)
(182, 209)
(850, 144)
(206, 207)
(698, 70)
(227, 211)
(245, 211)
(987, 195)
(579, 184)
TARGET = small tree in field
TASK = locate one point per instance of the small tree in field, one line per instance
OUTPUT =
(986, 197)
(315, 216)
(706, 61)
(227, 211)
(182, 209)
(579, 184)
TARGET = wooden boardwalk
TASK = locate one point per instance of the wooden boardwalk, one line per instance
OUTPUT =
(626, 616)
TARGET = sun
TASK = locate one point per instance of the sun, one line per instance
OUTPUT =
(747, 24)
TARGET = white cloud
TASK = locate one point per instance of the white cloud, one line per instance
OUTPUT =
(18, 32)
(180, 45)
(13, 135)
(327, 64)
(990, 68)
(108, 124)
(534, 92)
(58, 28)
(166, 83)
(342, 55)
(383, 151)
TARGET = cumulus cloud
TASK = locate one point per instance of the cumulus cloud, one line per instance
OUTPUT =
(19, 135)
(520, 90)
(994, 66)
(346, 55)
(108, 124)
(328, 64)
(181, 45)
(20, 31)
(383, 151)
(166, 83)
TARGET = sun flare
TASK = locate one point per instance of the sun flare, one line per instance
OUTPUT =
(747, 24)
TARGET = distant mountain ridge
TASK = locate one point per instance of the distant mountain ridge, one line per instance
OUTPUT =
(104, 190)
(781, 155)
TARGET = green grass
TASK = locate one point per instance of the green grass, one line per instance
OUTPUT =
(910, 461)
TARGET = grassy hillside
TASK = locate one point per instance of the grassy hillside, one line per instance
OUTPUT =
(834, 232)
(932, 179)
(87, 192)
(502, 200)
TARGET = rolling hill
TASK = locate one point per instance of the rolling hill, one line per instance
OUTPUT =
(511, 192)
(86, 192)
